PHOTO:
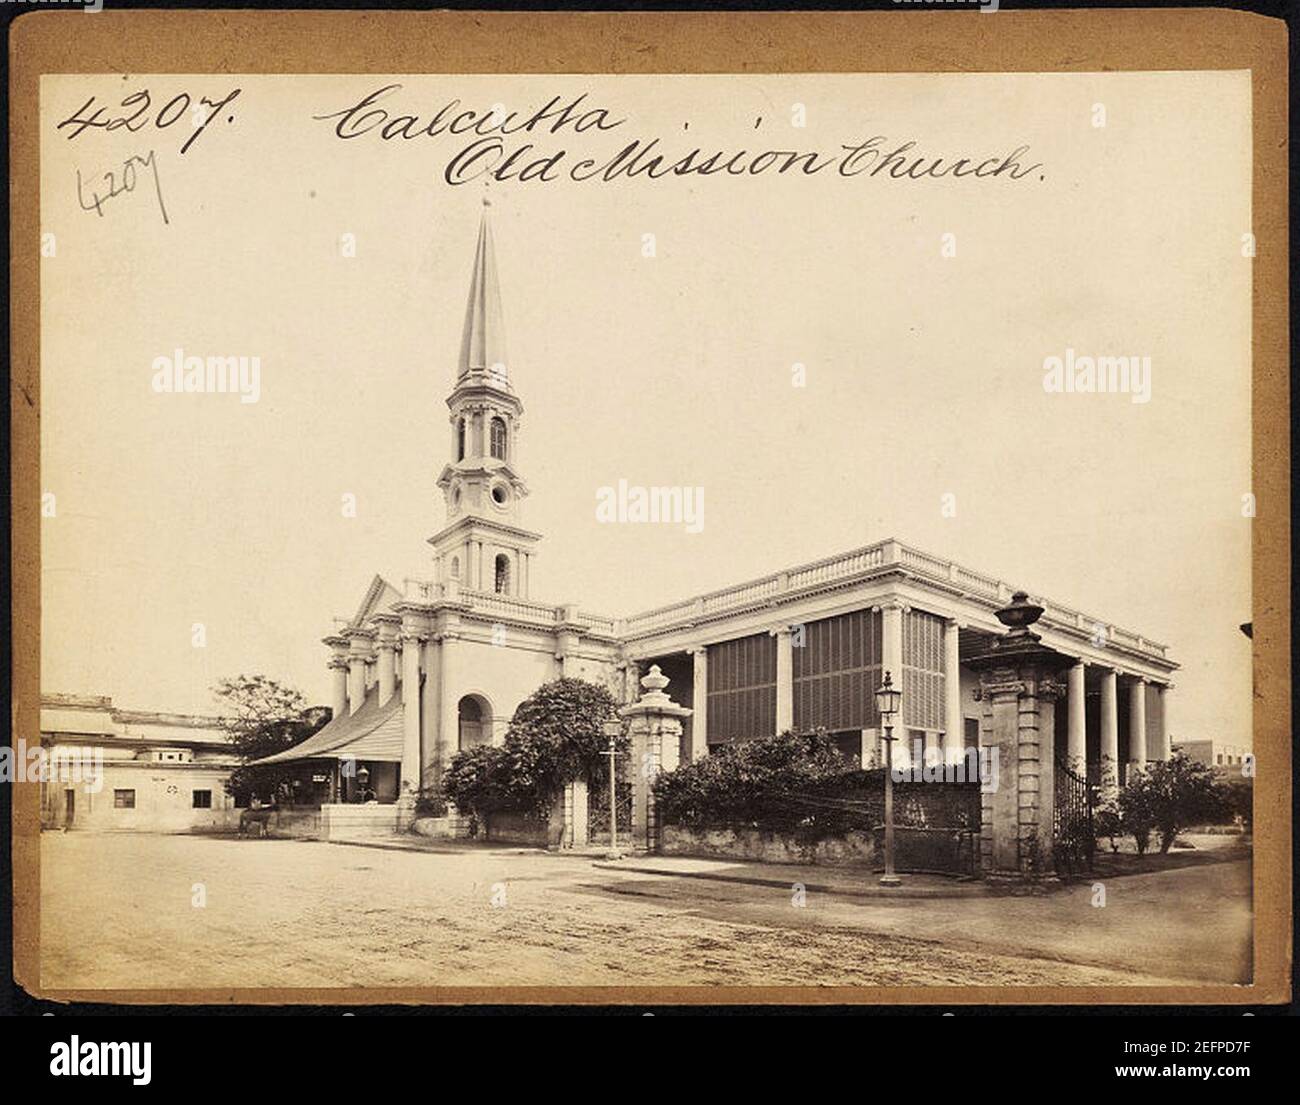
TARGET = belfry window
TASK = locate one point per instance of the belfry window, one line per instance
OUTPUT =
(499, 439)
(502, 582)
(460, 439)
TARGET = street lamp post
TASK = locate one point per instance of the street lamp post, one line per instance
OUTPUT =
(888, 698)
(613, 730)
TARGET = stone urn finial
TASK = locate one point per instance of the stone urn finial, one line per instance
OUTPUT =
(1019, 615)
(655, 681)
(653, 699)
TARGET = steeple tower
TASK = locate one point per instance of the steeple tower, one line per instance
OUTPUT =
(482, 546)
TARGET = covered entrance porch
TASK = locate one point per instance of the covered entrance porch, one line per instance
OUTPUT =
(360, 754)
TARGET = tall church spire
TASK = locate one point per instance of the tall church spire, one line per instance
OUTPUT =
(482, 344)
(482, 547)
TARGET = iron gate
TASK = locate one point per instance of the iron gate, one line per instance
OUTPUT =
(598, 808)
(1073, 834)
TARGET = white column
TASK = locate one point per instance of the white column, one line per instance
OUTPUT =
(434, 753)
(700, 705)
(356, 683)
(1109, 732)
(1076, 746)
(449, 677)
(1137, 722)
(954, 722)
(632, 682)
(412, 643)
(784, 679)
(386, 645)
(566, 645)
(891, 646)
(891, 662)
(357, 654)
(1163, 746)
(339, 687)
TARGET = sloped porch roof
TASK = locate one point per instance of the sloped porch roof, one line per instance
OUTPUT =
(373, 733)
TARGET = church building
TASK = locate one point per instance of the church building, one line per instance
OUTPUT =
(437, 665)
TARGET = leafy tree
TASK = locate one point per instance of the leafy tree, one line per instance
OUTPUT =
(556, 736)
(1108, 823)
(1137, 813)
(260, 717)
(1108, 820)
(1167, 797)
(1239, 799)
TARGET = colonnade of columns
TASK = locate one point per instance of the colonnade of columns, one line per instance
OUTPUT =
(1149, 739)
(1147, 742)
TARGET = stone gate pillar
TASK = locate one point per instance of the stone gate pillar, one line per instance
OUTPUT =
(1019, 686)
(655, 727)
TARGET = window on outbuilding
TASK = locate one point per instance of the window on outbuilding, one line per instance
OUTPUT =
(203, 799)
(124, 799)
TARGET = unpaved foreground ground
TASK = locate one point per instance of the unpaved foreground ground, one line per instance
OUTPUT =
(118, 912)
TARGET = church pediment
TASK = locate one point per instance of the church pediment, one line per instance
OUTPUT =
(380, 595)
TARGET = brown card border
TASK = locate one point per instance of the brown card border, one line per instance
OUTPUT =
(685, 42)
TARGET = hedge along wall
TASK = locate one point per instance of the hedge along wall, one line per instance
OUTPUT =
(836, 821)
(854, 801)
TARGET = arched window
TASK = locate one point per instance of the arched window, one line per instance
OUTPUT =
(455, 567)
(502, 574)
(474, 724)
(460, 439)
(499, 438)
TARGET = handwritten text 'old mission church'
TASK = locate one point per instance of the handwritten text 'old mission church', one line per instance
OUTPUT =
(503, 144)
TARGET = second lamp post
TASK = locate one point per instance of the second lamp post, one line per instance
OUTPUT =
(888, 698)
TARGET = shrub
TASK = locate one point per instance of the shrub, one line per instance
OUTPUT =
(1107, 822)
(555, 737)
(1166, 797)
(738, 782)
(804, 785)
(430, 801)
(478, 782)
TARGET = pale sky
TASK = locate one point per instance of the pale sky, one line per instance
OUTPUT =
(924, 372)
